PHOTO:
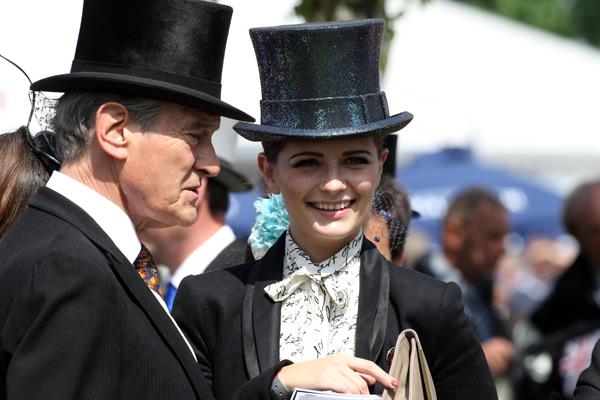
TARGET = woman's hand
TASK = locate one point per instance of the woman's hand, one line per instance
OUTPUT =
(340, 373)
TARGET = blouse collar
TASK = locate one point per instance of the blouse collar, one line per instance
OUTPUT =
(296, 258)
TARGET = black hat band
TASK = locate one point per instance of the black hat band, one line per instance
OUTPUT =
(207, 86)
(325, 113)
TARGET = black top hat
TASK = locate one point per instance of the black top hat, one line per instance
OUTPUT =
(232, 179)
(320, 80)
(168, 50)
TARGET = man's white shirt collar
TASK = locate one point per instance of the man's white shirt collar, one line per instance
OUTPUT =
(200, 258)
(112, 219)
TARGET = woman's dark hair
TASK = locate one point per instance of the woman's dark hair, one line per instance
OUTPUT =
(21, 175)
(273, 148)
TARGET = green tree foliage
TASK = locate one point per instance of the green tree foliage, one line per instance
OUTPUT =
(579, 19)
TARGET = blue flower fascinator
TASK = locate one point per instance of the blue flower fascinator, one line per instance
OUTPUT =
(271, 221)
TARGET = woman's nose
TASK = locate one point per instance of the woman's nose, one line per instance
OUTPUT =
(333, 182)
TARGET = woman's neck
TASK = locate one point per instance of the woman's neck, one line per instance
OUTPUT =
(320, 250)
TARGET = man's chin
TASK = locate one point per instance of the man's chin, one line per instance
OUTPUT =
(188, 219)
(184, 218)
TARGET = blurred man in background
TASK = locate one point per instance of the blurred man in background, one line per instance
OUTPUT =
(569, 317)
(576, 297)
(474, 229)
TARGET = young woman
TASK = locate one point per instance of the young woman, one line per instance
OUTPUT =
(322, 308)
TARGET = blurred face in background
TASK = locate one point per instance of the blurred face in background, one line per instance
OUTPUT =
(587, 230)
(482, 243)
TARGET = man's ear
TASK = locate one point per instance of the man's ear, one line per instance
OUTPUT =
(268, 173)
(110, 131)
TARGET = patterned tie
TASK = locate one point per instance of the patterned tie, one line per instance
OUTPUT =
(146, 267)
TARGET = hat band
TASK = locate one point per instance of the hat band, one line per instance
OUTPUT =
(325, 113)
(204, 85)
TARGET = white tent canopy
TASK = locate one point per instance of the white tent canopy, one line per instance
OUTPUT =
(471, 77)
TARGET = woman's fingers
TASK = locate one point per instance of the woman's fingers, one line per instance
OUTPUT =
(369, 368)
(368, 378)
(354, 382)
(340, 373)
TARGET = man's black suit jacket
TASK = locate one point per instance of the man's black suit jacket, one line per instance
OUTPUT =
(588, 385)
(239, 350)
(571, 301)
(76, 320)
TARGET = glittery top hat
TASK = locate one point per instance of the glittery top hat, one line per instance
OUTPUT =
(320, 81)
(168, 50)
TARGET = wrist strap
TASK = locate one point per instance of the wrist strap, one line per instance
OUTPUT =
(279, 389)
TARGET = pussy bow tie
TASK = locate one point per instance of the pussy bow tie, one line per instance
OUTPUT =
(327, 281)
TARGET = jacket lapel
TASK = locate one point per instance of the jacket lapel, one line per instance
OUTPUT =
(161, 321)
(261, 316)
(373, 303)
(61, 207)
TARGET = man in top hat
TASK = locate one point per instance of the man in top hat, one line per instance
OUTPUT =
(80, 315)
(209, 243)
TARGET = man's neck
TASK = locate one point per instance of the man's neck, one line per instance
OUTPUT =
(95, 178)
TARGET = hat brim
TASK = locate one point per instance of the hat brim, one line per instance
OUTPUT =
(137, 86)
(231, 179)
(258, 133)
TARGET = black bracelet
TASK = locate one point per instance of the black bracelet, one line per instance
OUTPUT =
(279, 389)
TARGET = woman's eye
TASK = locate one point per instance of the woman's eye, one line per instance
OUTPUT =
(356, 160)
(308, 162)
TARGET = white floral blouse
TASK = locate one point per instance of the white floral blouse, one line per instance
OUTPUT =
(319, 302)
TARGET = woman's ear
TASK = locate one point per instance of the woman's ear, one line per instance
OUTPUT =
(268, 173)
(382, 157)
(112, 120)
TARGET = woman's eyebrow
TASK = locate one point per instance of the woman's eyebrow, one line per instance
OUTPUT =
(306, 154)
(354, 152)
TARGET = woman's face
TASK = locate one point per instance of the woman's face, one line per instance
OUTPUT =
(327, 187)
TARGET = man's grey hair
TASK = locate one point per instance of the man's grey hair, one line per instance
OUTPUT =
(76, 113)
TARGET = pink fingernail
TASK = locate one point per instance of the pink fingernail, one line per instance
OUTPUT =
(394, 383)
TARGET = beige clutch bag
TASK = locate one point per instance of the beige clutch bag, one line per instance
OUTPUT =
(409, 367)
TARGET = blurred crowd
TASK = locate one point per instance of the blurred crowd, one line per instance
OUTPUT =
(534, 300)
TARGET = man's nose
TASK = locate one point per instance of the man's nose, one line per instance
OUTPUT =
(208, 162)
